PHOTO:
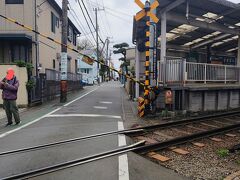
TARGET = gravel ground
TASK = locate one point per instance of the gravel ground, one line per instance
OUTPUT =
(205, 163)
(171, 132)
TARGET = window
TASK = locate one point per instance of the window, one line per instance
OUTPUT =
(54, 64)
(76, 66)
(14, 1)
(57, 21)
(54, 22)
(19, 52)
(86, 71)
(70, 33)
(74, 39)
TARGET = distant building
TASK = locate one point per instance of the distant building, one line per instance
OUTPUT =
(89, 72)
(17, 43)
(130, 57)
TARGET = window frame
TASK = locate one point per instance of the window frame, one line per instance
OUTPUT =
(14, 1)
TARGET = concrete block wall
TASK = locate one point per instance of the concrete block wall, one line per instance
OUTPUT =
(234, 99)
(222, 100)
(212, 100)
(195, 101)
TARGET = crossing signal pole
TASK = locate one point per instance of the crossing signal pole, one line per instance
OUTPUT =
(146, 12)
(63, 82)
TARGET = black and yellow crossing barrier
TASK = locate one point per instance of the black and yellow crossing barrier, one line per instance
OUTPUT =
(141, 107)
(89, 59)
(146, 11)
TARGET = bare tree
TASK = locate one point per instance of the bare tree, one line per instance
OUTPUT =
(84, 44)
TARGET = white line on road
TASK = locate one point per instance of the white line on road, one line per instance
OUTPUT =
(79, 97)
(25, 125)
(84, 115)
(123, 171)
(46, 115)
(105, 102)
(99, 107)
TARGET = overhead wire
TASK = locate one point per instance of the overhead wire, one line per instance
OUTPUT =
(74, 15)
(90, 18)
(86, 20)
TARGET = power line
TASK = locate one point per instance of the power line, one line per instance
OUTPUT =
(119, 17)
(79, 23)
(89, 18)
(114, 10)
(86, 20)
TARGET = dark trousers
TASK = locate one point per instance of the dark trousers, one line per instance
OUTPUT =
(11, 108)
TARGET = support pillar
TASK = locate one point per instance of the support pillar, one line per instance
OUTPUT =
(137, 68)
(238, 60)
(163, 36)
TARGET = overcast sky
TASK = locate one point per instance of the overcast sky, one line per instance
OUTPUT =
(115, 20)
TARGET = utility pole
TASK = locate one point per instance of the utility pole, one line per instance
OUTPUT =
(107, 58)
(98, 79)
(63, 83)
(97, 38)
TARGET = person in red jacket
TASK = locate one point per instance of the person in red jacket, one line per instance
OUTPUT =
(10, 85)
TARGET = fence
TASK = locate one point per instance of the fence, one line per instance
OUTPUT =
(53, 75)
(175, 70)
(48, 85)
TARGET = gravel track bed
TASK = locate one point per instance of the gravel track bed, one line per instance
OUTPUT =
(219, 125)
(205, 163)
(170, 132)
(205, 128)
(188, 129)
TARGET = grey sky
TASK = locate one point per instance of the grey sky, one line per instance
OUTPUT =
(115, 21)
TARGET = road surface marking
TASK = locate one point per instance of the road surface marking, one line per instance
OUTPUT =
(84, 115)
(46, 115)
(79, 97)
(99, 107)
(105, 102)
(25, 125)
(123, 159)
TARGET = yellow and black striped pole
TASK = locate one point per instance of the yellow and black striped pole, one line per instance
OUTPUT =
(147, 64)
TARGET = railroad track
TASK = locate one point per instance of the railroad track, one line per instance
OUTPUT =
(138, 147)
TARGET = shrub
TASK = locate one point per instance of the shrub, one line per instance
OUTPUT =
(223, 152)
(30, 84)
(21, 63)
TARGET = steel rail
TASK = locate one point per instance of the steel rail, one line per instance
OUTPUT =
(76, 162)
(184, 139)
(137, 148)
(126, 131)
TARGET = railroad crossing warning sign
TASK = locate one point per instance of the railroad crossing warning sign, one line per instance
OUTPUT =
(168, 97)
(146, 10)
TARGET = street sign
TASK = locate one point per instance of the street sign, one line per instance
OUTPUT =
(63, 66)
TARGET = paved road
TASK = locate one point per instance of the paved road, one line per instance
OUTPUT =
(96, 110)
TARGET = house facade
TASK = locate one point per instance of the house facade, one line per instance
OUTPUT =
(17, 43)
(89, 72)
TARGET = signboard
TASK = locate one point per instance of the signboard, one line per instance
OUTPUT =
(168, 97)
(63, 66)
(87, 60)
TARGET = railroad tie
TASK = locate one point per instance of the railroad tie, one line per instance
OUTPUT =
(216, 139)
(198, 144)
(231, 135)
(180, 151)
(158, 157)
